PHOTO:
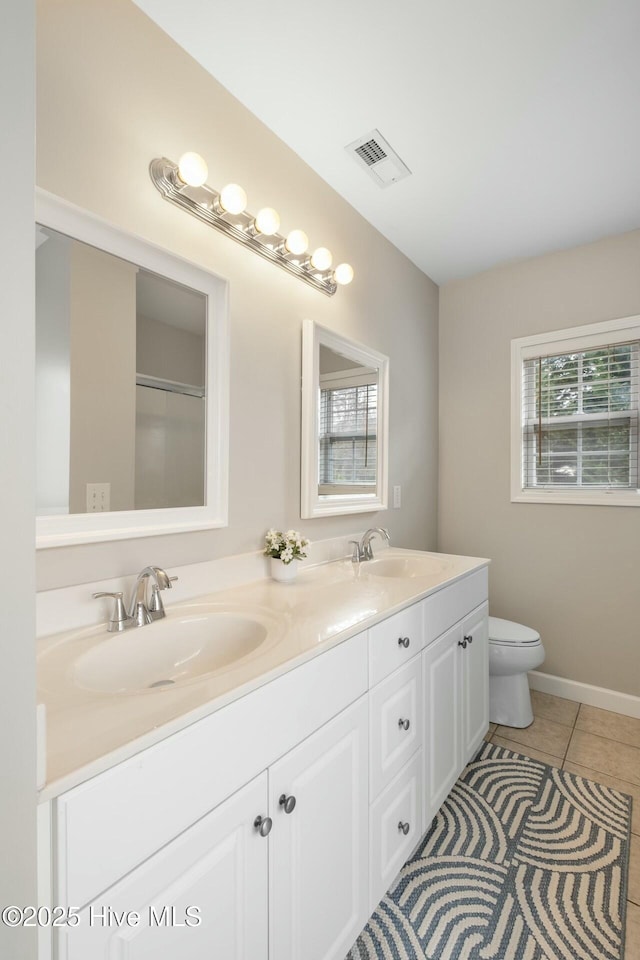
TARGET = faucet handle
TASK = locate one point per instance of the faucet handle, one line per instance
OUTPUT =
(355, 556)
(156, 606)
(119, 619)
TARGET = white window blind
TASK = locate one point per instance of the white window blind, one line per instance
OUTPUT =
(580, 419)
(347, 436)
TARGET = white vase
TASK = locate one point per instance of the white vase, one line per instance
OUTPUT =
(284, 572)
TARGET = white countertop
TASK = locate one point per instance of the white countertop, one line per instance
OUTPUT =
(89, 732)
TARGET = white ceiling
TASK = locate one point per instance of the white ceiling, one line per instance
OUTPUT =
(519, 119)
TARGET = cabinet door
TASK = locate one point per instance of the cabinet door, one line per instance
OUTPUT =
(215, 872)
(475, 674)
(318, 858)
(442, 666)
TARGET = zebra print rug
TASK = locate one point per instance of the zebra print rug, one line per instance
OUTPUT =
(522, 862)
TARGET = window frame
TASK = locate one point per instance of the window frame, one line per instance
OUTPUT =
(312, 502)
(569, 340)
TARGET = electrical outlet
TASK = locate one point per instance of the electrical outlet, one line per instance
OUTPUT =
(98, 497)
(397, 497)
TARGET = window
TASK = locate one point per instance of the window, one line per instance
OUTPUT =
(347, 435)
(575, 415)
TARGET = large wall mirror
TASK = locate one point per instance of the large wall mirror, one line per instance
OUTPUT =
(344, 425)
(131, 385)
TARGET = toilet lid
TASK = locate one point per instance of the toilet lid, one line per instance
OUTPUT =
(506, 631)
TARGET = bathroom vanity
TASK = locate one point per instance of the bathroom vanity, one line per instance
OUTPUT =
(273, 825)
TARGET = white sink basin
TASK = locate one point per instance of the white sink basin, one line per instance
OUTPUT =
(196, 643)
(406, 566)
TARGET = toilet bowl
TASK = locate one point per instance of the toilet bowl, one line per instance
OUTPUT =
(513, 650)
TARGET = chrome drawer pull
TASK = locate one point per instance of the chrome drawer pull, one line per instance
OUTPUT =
(404, 828)
(288, 804)
(263, 825)
(404, 724)
(463, 643)
(403, 642)
(469, 638)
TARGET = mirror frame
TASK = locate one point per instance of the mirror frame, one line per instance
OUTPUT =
(65, 529)
(312, 504)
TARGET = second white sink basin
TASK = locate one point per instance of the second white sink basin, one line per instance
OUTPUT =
(192, 645)
(406, 566)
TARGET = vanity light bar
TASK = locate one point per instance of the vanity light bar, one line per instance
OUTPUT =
(184, 184)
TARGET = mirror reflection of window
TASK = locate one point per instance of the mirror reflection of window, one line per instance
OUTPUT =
(120, 383)
(347, 433)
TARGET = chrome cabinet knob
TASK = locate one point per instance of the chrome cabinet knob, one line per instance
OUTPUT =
(263, 825)
(288, 804)
(404, 827)
(463, 643)
(469, 638)
(404, 724)
(403, 642)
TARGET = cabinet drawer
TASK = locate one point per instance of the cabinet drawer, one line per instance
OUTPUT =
(401, 803)
(452, 603)
(395, 711)
(394, 642)
(108, 825)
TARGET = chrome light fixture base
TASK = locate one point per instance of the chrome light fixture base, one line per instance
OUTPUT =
(204, 203)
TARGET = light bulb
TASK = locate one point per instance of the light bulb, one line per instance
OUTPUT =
(192, 169)
(343, 273)
(297, 242)
(267, 221)
(233, 199)
(321, 258)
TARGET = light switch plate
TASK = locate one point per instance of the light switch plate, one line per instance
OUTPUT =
(397, 497)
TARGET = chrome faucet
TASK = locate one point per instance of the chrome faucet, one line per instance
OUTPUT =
(363, 550)
(141, 610)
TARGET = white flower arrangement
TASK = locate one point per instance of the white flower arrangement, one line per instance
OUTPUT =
(285, 546)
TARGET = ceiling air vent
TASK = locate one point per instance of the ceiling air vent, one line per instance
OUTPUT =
(377, 157)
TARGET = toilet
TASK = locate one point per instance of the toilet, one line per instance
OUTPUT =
(513, 650)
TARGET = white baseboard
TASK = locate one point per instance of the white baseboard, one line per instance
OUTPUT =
(624, 703)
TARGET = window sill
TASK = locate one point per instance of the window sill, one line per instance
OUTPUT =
(600, 498)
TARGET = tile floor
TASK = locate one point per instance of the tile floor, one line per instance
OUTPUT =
(596, 744)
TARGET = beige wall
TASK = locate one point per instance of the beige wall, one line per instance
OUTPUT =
(53, 375)
(103, 376)
(169, 353)
(114, 92)
(573, 572)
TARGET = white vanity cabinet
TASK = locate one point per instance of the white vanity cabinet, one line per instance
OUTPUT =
(475, 681)
(223, 889)
(456, 686)
(121, 840)
(219, 866)
(346, 759)
(396, 735)
(428, 665)
(318, 853)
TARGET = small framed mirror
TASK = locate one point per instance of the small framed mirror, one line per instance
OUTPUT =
(132, 360)
(345, 417)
